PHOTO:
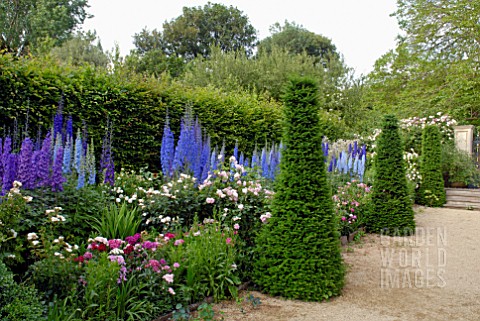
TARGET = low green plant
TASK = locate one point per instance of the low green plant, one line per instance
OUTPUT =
(117, 223)
(99, 296)
(18, 302)
(205, 312)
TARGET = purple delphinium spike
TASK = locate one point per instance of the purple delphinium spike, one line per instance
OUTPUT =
(44, 160)
(85, 136)
(26, 174)
(1, 159)
(57, 177)
(330, 166)
(349, 149)
(69, 129)
(167, 150)
(325, 152)
(355, 149)
(9, 172)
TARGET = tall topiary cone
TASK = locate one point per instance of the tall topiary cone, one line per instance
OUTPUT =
(431, 191)
(392, 208)
(297, 251)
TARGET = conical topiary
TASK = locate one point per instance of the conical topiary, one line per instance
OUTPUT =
(297, 251)
(431, 191)
(392, 208)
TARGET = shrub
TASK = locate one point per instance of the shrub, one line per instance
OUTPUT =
(392, 208)
(117, 222)
(431, 191)
(298, 254)
(18, 302)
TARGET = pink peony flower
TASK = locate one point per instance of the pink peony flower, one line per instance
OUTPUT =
(228, 240)
(236, 226)
(168, 278)
(87, 255)
(178, 242)
(343, 218)
(171, 291)
(210, 200)
(176, 265)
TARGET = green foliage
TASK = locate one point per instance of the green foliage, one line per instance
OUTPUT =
(296, 40)
(117, 223)
(136, 105)
(26, 23)
(459, 167)
(18, 302)
(81, 49)
(265, 75)
(209, 256)
(197, 29)
(431, 191)
(100, 290)
(298, 253)
(434, 66)
(392, 209)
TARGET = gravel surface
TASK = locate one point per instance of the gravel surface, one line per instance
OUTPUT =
(433, 275)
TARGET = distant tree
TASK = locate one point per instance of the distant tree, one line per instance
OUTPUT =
(197, 29)
(81, 49)
(296, 40)
(25, 23)
(440, 28)
(149, 56)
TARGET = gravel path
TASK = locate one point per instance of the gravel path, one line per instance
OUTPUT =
(434, 275)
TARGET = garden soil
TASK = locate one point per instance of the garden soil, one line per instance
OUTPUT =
(433, 275)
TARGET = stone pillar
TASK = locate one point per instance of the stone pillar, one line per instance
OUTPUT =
(464, 138)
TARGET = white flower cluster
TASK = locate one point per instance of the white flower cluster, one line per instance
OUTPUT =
(444, 122)
(57, 217)
(412, 172)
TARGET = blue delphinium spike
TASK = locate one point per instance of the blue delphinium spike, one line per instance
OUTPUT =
(57, 177)
(264, 162)
(167, 150)
(235, 150)
(355, 149)
(81, 173)
(78, 151)
(1, 159)
(241, 160)
(67, 156)
(213, 160)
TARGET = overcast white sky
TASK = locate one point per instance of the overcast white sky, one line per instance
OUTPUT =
(362, 30)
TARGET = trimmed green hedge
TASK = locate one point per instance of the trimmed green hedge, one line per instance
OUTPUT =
(431, 191)
(392, 208)
(137, 106)
(298, 252)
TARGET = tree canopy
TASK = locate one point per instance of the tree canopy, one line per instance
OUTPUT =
(25, 23)
(198, 28)
(296, 40)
